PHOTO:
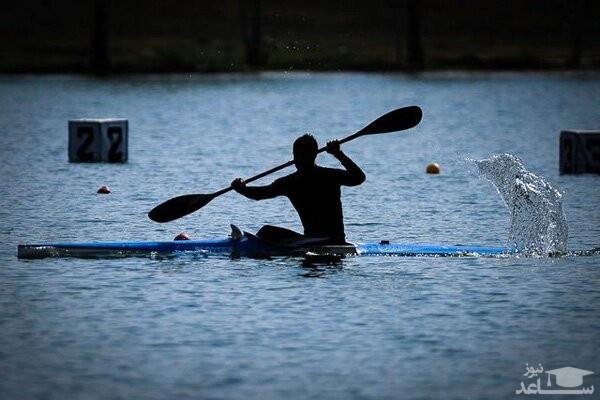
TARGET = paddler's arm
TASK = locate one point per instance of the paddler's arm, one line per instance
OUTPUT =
(354, 175)
(255, 192)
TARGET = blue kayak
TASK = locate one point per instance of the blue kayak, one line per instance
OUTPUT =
(246, 245)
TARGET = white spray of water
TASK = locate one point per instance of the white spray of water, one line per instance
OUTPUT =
(537, 221)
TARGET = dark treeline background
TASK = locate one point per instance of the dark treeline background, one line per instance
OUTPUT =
(109, 36)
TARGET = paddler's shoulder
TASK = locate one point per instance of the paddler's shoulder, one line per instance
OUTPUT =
(327, 172)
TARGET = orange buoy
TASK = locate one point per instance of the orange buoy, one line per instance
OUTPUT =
(433, 168)
(182, 236)
(103, 190)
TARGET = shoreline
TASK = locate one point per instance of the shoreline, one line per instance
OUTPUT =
(457, 72)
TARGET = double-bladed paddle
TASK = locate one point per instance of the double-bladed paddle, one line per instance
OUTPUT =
(180, 206)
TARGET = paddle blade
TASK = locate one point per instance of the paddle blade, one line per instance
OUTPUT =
(178, 207)
(397, 120)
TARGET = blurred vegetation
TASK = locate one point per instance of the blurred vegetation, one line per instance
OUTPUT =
(240, 35)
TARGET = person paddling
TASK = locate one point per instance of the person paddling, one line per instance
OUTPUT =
(396, 120)
(314, 191)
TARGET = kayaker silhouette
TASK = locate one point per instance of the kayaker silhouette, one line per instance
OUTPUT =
(314, 191)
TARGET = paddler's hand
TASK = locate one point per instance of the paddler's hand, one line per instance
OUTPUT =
(237, 184)
(333, 148)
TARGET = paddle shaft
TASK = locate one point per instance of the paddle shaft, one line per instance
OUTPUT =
(284, 165)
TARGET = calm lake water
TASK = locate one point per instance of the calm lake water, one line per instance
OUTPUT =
(195, 327)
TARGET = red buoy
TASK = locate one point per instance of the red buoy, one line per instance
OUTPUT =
(182, 236)
(103, 190)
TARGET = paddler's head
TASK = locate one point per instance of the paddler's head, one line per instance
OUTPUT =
(305, 152)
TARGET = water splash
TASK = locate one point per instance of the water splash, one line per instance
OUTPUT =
(537, 221)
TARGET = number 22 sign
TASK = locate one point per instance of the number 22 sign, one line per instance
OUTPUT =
(98, 140)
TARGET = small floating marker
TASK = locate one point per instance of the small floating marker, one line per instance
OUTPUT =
(182, 236)
(433, 168)
(103, 190)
